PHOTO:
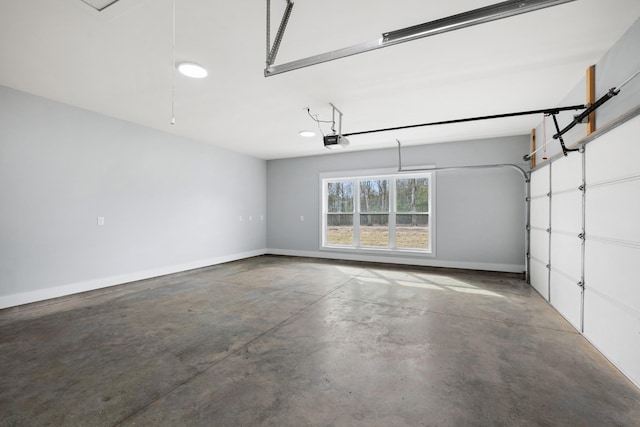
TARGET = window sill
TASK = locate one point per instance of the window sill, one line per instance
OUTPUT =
(416, 253)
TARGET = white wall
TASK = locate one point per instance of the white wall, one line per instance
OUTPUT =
(169, 203)
(480, 214)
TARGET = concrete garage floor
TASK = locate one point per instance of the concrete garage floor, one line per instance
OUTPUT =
(278, 341)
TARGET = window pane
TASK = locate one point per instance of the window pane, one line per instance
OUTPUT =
(412, 231)
(374, 230)
(340, 229)
(412, 195)
(374, 195)
(340, 196)
(412, 220)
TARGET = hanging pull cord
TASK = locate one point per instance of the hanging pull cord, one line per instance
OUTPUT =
(271, 55)
(173, 65)
(544, 135)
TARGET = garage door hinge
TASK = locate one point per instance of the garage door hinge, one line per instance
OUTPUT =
(581, 285)
(581, 236)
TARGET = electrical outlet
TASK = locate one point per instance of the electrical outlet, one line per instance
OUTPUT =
(101, 221)
(301, 218)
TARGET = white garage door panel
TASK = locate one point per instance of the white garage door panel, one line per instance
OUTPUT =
(613, 211)
(614, 332)
(565, 297)
(539, 237)
(540, 277)
(613, 270)
(566, 212)
(615, 154)
(566, 246)
(612, 247)
(540, 182)
(540, 213)
(567, 173)
(539, 241)
(566, 255)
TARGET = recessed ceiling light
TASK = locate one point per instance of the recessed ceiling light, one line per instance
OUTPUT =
(307, 133)
(192, 70)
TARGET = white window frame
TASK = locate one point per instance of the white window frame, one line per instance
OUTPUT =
(392, 175)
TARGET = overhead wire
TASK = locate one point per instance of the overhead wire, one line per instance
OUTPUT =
(633, 76)
(318, 121)
(471, 119)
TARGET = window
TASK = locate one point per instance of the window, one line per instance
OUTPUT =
(412, 213)
(374, 213)
(389, 212)
(339, 217)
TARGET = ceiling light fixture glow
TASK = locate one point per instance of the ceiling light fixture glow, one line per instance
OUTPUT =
(192, 70)
(307, 133)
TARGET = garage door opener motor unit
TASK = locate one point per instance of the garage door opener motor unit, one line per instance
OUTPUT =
(335, 141)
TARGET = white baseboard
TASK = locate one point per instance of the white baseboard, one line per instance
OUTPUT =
(104, 282)
(424, 262)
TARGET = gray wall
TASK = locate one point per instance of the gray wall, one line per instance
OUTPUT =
(616, 66)
(619, 63)
(480, 215)
(169, 203)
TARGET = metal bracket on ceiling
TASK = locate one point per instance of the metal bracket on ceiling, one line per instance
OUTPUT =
(99, 5)
(334, 140)
(272, 51)
(584, 116)
(482, 15)
(559, 134)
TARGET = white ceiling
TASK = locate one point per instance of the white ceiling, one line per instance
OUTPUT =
(119, 62)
